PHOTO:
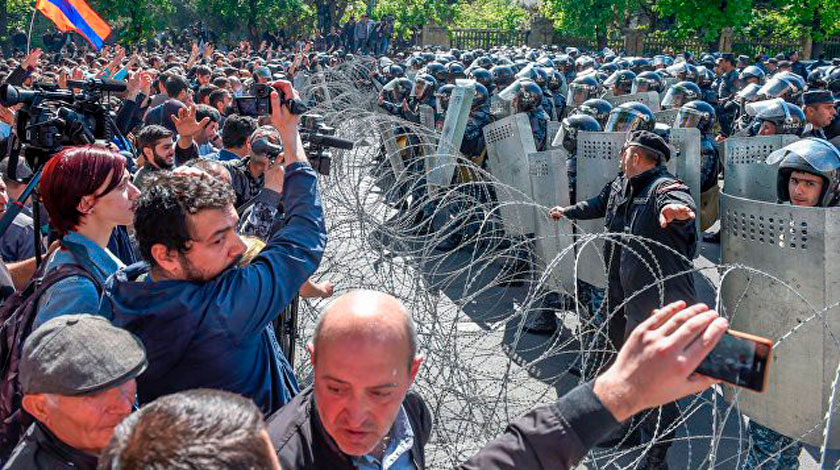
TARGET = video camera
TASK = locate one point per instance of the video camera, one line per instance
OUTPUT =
(52, 118)
(317, 138)
(258, 103)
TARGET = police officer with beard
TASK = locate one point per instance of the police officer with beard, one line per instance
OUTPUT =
(646, 209)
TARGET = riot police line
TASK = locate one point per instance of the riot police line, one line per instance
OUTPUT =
(749, 148)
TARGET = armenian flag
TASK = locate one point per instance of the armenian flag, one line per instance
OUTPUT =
(78, 16)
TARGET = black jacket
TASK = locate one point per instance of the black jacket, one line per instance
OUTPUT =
(39, 449)
(633, 207)
(553, 437)
(302, 442)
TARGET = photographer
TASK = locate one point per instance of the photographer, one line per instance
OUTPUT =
(87, 193)
(205, 322)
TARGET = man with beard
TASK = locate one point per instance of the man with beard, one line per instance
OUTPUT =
(204, 322)
(157, 147)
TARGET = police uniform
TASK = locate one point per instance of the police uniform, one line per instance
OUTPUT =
(631, 206)
(539, 126)
(814, 98)
(726, 87)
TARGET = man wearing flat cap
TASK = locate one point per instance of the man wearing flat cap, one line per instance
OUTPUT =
(77, 375)
(649, 215)
(819, 112)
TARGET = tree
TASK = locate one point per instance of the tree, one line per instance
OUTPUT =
(693, 17)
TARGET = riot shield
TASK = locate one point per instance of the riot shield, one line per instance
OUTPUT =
(686, 164)
(550, 183)
(441, 166)
(649, 98)
(669, 81)
(509, 142)
(427, 116)
(499, 108)
(389, 140)
(745, 173)
(428, 138)
(597, 164)
(553, 129)
(797, 246)
(667, 116)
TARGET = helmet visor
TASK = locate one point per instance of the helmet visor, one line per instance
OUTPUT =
(820, 154)
(749, 92)
(508, 93)
(623, 120)
(688, 118)
(768, 109)
(675, 97)
(640, 85)
(578, 93)
(775, 88)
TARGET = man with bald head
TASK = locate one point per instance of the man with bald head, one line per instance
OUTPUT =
(360, 414)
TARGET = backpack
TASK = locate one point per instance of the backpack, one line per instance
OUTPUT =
(17, 315)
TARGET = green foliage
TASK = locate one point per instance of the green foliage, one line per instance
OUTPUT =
(588, 18)
(704, 18)
(135, 21)
(413, 14)
(496, 14)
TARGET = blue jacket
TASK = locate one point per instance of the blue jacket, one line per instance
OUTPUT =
(76, 294)
(217, 334)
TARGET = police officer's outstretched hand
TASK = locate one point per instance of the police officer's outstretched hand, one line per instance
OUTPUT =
(557, 212)
(672, 212)
(656, 365)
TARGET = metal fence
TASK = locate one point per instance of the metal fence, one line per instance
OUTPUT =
(654, 44)
(468, 38)
(772, 46)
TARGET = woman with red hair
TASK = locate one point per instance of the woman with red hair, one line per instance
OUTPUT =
(87, 192)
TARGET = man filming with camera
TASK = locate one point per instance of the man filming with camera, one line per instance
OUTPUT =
(204, 322)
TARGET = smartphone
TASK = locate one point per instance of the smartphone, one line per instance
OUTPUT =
(740, 359)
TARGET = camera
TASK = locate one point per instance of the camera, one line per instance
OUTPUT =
(52, 118)
(318, 138)
(258, 102)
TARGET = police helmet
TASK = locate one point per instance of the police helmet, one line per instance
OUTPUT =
(648, 81)
(567, 135)
(811, 155)
(680, 93)
(697, 114)
(630, 116)
(598, 108)
(581, 89)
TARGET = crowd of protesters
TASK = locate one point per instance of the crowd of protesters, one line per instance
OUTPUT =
(172, 250)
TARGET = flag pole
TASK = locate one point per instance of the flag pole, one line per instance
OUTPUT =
(31, 24)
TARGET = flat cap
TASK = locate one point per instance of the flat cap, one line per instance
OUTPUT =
(814, 97)
(651, 142)
(79, 355)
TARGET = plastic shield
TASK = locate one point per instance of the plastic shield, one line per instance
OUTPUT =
(428, 138)
(441, 166)
(509, 142)
(597, 164)
(798, 246)
(553, 132)
(389, 141)
(666, 117)
(648, 98)
(499, 108)
(427, 116)
(686, 163)
(550, 183)
(746, 174)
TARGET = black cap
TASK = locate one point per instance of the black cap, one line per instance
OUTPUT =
(729, 57)
(651, 142)
(80, 354)
(815, 97)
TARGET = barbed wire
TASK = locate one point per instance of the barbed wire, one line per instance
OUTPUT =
(471, 288)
